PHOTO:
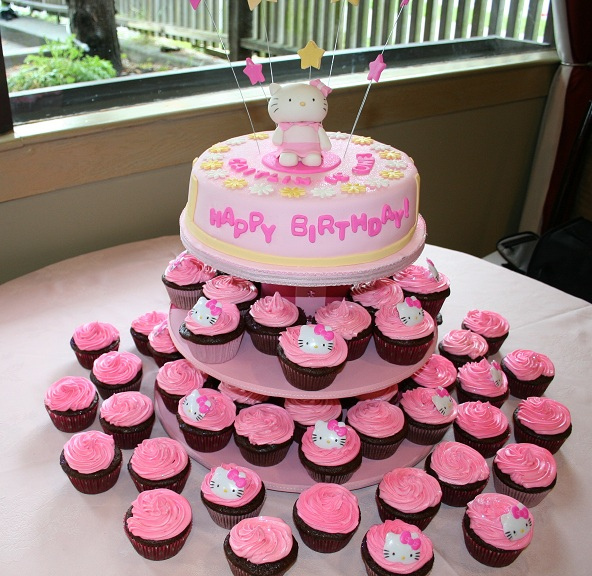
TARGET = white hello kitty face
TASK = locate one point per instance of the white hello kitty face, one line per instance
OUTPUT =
(330, 434)
(442, 401)
(316, 339)
(403, 548)
(297, 103)
(196, 405)
(410, 311)
(496, 374)
(228, 484)
(516, 523)
(206, 312)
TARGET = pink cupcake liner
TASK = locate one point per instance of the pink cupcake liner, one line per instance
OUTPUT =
(184, 299)
(400, 354)
(74, 420)
(215, 353)
(529, 499)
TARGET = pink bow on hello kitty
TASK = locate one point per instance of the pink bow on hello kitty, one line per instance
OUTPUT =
(204, 405)
(413, 302)
(519, 512)
(406, 538)
(334, 425)
(215, 310)
(233, 474)
(326, 334)
(442, 392)
(323, 88)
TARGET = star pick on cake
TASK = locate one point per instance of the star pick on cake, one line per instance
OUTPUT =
(254, 71)
(194, 3)
(310, 55)
(254, 3)
(376, 68)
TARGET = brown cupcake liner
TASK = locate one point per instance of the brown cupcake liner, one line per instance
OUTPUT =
(227, 517)
(161, 358)
(425, 434)
(525, 388)
(214, 349)
(265, 343)
(96, 482)
(141, 342)
(331, 474)
(458, 361)
(487, 447)
(380, 448)
(357, 346)
(419, 519)
(175, 483)
(309, 379)
(129, 437)
(171, 401)
(74, 420)
(205, 440)
(107, 390)
(494, 343)
(463, 396)
(431, 303)
(262, 455)
(400, 352)
(243, 567)
(526, 497)
(86, 358)
(551, 442)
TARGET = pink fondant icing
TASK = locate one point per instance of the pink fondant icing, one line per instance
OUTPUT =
(289, 343)
(419, 405)
(329, 507)
(527, 464)
(528, 365)
(70, 393)
(160, 338)
(437, 371)
(376, 418)
(331, 456)
(457, 463)
(544, 415)
(308, 411)
(347, 318)
(488, 324)
(261, 540)
(116, 367)
(388, 321)
(481, 419)
(264, 424)
(127, 409)
(252, 486)
(274, 311)
(159, 458)
(418, 279)
(89, 452)
(179, 377)
(186, 270)
(476, 377)
(465, 343)
(95, 335)
(220, 415)
(230, 289)
(227, 320)
(146, 322)
(377, 293)
(410, 490)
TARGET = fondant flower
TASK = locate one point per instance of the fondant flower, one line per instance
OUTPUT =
(397, 165)
(380, 147)
(219, 148)
(261, 189)
(211, 164)
(236, 141)
(338, 135)
(362, 140)
(292, 192)
(258, 136)
(376, 182)
(392, 174)
(235, 183)
(351, 188)
(390, 155)
(321, 192)
(217, 174)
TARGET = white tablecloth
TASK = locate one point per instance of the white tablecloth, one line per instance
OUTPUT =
(47, 527)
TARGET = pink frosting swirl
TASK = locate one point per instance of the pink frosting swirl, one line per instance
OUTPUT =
(485, 514)
(159, 514)
(227, 321)
(127, 409)
(437, 371)
(274, 311)
(410, 490)
(481, 419)
(186, 270)
(289, 343)
(419, 405)
(230, 289)
(220, 415)
(486, 323)
(390, 324)
(457, 463)
(308, 411)
(528, 365)
(241, 395)
(158, 458)
(376, 418)
(346, 318)
(95, 335)
(418, 279)
(160, 338)
(89, 452)
(330, 508)
(386, 394)
(527, 464)
(376, 542)
(251, 488)
(261, 540)
(264, 424)
(543, 415)
(476, 377)
(146, 322)
(377, 293)
(331, 456)
(70, 393)
(116, 367)
(179, 377)
(465, 343)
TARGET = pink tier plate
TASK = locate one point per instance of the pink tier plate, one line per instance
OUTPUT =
(301, 276)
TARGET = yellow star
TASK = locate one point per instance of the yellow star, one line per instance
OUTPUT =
(352, 2)
(254, 3)
(310, 55)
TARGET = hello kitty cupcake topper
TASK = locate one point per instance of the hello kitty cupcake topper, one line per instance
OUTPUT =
(331, 434)
(316, 339)
(228, 484)
(403, 548)
(196, 405)
(516, 523)
(206, 312)
(410, 311)
(443, 401)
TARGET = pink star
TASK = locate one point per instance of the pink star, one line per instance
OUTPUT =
(376, 68)
(194, 3)
(254, 71)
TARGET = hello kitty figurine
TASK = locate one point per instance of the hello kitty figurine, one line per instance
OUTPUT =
(299, 110)
(403, 548)
(196, 406)
(206, 312)
(516, 523)
(410, 311)
(443, 401)
(330, 434)
(316, 339)
(228, 484)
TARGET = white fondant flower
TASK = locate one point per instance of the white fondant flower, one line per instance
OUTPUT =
(216, 174)
(380, 147)
(236, 141)
(397, 165)
(322, 192)
(215, 157)
(338, 135)
(376, 182)
(261, 189)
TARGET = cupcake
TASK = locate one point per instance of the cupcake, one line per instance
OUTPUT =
(481, 426)
(115, 372)
(330, 451)
(351, 321)
(529, 373)
(242, 398)
(177, 379)
(268, 317)
(408, 494)
(326, 517)
(403, 333)
(491, 325)
(380, 425)
(184, 278)
(158, 523)
(395, 547)
(72, 403)
(206, 419)
(91, 340)
(429, 413)
(461, 471)
(128, 417)
(437, 372)
(482, 381)
(496, 529)
(161, 345)
(159, 463)
(311, 356)
(213, 330)
(91, 461)
(261, 546)
(524, 471)
(306, 411)
(232, 493)
(543, 422)
(263, 434)
(233, 290)
(462, 346)
(375, 294)
(141, 328)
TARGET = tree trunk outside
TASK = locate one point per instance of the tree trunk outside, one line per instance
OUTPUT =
(93, 22)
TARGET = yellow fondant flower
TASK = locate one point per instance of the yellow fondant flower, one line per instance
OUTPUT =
(219, 148)
(390, 155)
(211, 164)
(292, 191)
(258, 136)
(235, 183)
(351, 188)
(392, 174)
(362, 140)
